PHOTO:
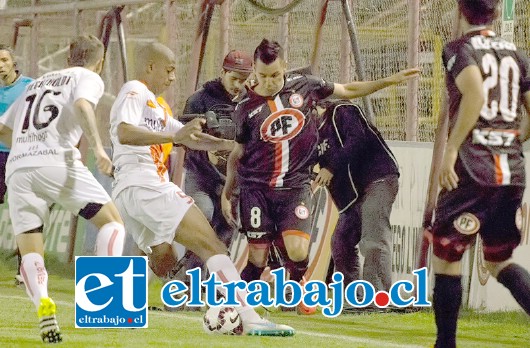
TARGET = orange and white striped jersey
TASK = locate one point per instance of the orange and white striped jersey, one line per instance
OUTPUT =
(139, 165)
(166, 148)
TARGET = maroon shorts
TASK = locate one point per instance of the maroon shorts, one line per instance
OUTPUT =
(493, 212)
(267, 213)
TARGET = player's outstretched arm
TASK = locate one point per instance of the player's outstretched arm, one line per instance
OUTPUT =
(357, 89)
(469, 82)
(207, 142)
(84, 112)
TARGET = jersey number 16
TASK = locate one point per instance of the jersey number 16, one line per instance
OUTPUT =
(52, 109)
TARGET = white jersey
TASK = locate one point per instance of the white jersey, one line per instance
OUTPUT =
(139, 165)
(45, 129)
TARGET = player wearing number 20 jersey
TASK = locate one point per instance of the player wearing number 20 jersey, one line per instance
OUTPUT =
(490, 163)
(482, 172)
(492, 153)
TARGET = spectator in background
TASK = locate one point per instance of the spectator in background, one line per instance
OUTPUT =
(206, 170)
(12, 84)
(362, 174)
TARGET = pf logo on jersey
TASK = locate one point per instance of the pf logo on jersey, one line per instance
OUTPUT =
(282, 125)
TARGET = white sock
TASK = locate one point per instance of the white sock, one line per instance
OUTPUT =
(110, 240)
(35, 277)
(225, 271)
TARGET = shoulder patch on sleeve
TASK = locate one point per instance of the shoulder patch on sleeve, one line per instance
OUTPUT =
(451, 62)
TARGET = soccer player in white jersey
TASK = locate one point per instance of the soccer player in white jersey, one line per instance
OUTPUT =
(43, 128)
(156, 212)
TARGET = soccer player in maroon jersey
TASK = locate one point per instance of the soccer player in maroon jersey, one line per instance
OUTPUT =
(482, 172)
(276, 138)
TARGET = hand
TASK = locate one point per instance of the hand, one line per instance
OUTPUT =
(189, 131)
(226, 209)
(405, 75)
(103, 162)
(448, 178)
(324, 177)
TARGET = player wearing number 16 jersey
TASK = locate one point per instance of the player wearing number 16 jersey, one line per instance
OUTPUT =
(482, 172)
(43, 128)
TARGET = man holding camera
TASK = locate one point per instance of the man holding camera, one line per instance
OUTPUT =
(205, 171)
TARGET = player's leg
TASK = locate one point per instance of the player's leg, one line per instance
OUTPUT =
(168, 213)
(196, 234)
(28, 213)
(204, 202)
(458, 219)
(376, 235)
(76, 189)
(111, 234)
(293, 219)
(344, 241)
(500, 238)
(258, 227)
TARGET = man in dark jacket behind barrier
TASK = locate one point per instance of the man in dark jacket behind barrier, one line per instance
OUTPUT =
(362, 175)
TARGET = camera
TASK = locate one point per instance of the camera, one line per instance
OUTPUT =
(218, 124)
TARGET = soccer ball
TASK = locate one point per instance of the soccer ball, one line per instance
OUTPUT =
(222, 321)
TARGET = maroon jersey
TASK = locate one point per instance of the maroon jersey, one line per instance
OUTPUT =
(491, 155)
(279, 133)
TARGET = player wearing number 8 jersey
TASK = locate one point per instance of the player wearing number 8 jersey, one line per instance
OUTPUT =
(43, 128)
(276, 136)
(482, 172)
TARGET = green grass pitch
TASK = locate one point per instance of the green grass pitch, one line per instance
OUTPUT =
(18, 324)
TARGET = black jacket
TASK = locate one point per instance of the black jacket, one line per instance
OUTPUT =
(211, 97)
(354, 151)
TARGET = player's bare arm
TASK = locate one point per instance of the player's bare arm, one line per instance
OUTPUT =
(469, 82)
(356, 89)
(129, 134)
(5, 134)
(84, 112)
(525, 126)
(207, 142)
(230, 184)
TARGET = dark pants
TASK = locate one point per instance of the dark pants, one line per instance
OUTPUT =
(208, 198)
(365, 226)
(3, 187)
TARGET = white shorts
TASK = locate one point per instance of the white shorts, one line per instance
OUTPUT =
(151, 215)
(31, 192)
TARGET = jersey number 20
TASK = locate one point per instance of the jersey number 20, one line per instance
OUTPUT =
(499, 74)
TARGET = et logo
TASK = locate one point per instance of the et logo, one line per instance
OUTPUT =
(110, 292)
